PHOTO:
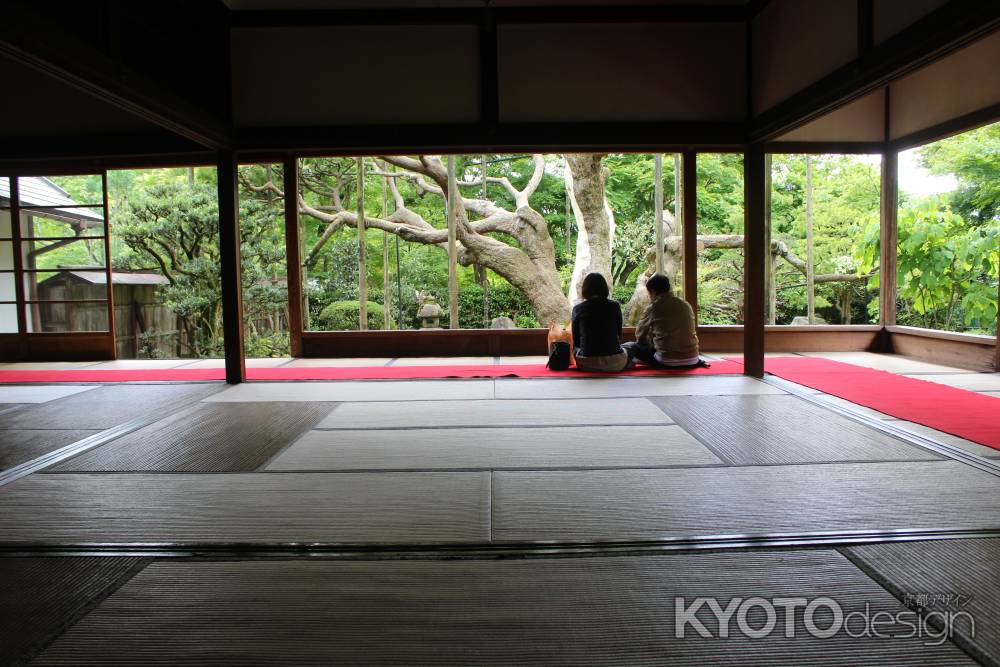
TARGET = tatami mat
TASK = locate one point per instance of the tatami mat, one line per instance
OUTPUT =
(18, 447)
(44, 365)
(263, 362)
(753, 430)
(133, 364)
(651, 504)
(207, 437)
(960, 577)
(347, 508)
(107, 406)
(642, 386)
(570, 412)
(499, 448)
(413, 390)
(530, 360)
(968, 381)
(595, 611)
(894, 363)
(41, 597)
(338, 363)
(444, 361)
(11, 393)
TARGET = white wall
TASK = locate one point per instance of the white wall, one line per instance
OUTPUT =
(861, 120)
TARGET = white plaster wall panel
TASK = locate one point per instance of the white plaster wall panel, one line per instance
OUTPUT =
(860, 120)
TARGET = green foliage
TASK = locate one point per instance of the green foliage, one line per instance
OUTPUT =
(273, 344)
(845, 204)
(167, 220)
(346, 316)
(973, 158)
(947, 270)
(505, 300)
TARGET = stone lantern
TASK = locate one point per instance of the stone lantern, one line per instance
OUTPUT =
(429, 314)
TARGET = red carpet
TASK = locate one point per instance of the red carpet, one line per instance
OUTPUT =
(963, 413)
(340, 373)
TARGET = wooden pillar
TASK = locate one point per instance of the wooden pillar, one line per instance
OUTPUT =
(810, 260)
(772, 291)
(689, 219)
(658, 207)
(755, 254)
(113, 344)
(887, 243)
(452, 245)
(293, 258)
(16, 233)
(362, 251)
(229, 264)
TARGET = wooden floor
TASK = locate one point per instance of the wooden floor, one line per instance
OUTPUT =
(506, 521)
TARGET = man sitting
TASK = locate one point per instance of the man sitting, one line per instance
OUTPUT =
(665, 334)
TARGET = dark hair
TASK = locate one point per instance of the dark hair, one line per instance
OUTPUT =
(658, 284)
(594, 285)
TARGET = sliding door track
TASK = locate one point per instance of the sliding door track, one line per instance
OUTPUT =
(248, 551)
(909, 437)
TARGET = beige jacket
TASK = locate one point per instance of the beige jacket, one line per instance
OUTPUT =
(668, 325)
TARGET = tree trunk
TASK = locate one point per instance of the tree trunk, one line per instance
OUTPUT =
(672, 262)
(585, 180)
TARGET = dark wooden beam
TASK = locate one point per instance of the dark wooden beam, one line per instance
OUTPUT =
(866, 26)
(755, 256)
(755, 7)
(816, 147)
(489, 77)
(254, 144)
(503, 15)
(43, 166)
(26, 39)
(292, 259)
(108, 280)
(96, 147)
(15, 228)
(943, 31)
(230, 268)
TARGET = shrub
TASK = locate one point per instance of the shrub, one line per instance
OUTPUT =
(345, 316)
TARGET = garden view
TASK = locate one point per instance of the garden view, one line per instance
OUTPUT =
(530, 226)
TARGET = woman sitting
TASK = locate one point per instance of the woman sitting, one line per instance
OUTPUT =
(597, 328)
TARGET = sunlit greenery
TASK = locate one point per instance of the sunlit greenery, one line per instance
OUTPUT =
(165, 220)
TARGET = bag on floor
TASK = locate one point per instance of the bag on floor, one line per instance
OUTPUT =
(560, 333)
(558, 356)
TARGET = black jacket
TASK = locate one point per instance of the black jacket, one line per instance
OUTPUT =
(597, 327)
